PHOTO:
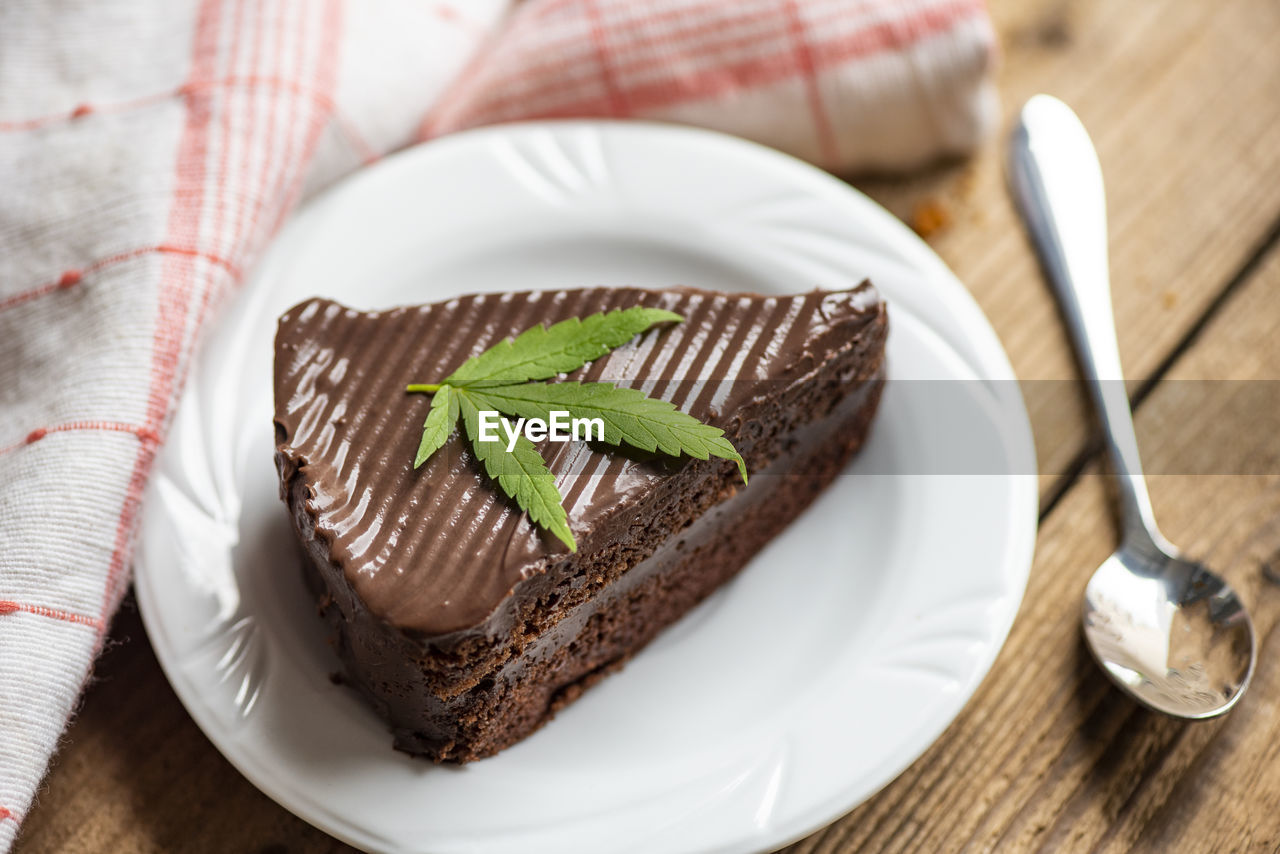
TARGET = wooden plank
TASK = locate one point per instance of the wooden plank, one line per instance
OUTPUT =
(1180, 97)
(1048, 756)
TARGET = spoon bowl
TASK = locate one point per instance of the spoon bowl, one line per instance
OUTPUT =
(1167, 630)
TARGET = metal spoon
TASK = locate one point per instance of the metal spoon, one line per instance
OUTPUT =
(1168, 631)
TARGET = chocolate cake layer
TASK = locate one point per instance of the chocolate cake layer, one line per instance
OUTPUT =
(464, 624)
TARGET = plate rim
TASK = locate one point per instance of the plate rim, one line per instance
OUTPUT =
(992, 364)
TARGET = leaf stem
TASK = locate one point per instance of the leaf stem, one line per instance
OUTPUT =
(424, 388)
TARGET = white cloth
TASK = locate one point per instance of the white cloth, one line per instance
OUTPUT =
(150, 148)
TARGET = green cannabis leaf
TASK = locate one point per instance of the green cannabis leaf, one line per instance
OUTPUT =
(522, 474)
(439, 424)
(504, 379)
(540, 352)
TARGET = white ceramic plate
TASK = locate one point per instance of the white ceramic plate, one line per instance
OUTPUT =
(794, 693)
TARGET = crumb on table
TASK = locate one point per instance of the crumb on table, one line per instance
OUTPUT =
(930, 217)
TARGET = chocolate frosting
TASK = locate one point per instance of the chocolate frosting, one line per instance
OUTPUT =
(437, 550)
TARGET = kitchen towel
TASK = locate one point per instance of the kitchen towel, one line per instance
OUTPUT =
(149, 149)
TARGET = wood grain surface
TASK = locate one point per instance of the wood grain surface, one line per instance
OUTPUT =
(1183, 100)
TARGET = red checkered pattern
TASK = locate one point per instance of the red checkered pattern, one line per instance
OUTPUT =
(883, 84)
(150, 148)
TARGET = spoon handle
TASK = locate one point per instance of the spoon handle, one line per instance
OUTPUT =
(1057, 183)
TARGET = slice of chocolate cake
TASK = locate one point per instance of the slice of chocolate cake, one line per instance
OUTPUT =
(465, 625)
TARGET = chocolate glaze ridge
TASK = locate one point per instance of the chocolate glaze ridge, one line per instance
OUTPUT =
(439, 552)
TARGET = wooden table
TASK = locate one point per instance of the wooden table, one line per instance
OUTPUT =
(1183, 100)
